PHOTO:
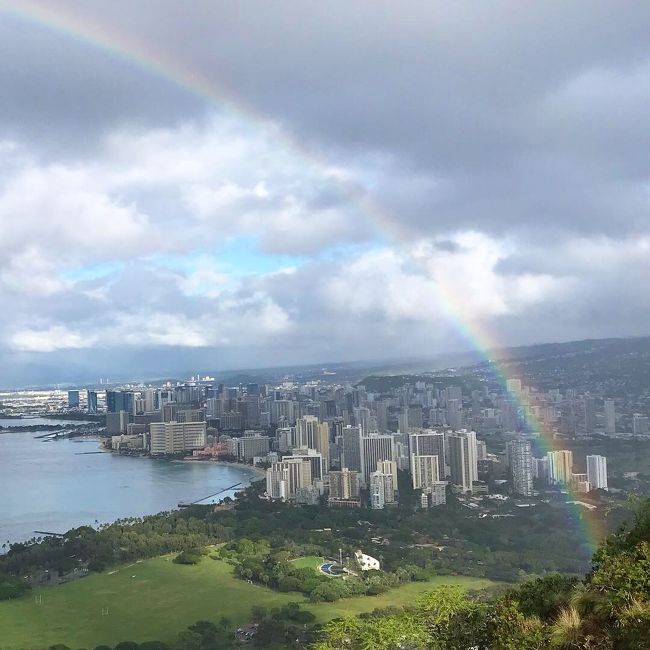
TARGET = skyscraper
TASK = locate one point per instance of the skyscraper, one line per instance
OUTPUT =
(362, 419)
(639, 424)
(424, 471)
(462, 459)
(383, 485)
(313, 434)
(374, 448)
(597, 472)
(454, 413)
(344, 484)
(351, 448)
(285, 477)
(92, 401)
(520, 460)
(589, 414)
(73, 399)
(560, 466)
(429, 443)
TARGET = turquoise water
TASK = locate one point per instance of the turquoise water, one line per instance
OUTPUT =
(56, 485)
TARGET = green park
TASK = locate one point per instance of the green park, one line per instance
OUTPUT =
(157, 598)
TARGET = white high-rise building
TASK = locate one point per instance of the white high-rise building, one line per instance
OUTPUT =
(597, 472)
(374, 448)
(285, 477)
(429, 443)
(177, 437)
(383, 485)
(462, 459)
(424, 471)
(610, 416)
(560, 466)
(513, 386)
(520, 459)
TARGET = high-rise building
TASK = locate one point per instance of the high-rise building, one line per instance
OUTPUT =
(282, 410)
(177, 437)
(520, 461)
(434, 495)
(429, 443)
(454, 413)
(462, 459)
(120, 400)
(381, 415)
(351, 448)
(639, 424)
(597, 472)
(117, 423)
(362, 419)
(73, 399)
(253, 443)
(403, 421)
(91, 401)
(313, 434)
(374, 448)
(415, 416)
(318, 470)
(424, 471)
(285, 477)
(560, 466)
(610, 416)
(344, 484)
(383, 485)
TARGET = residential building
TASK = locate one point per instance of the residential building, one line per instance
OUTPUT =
(597, 472)
(462, 459)
(520, 463)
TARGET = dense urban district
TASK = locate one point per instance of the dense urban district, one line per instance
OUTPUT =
(437, 491)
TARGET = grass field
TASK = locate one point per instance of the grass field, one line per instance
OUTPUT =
(156, 599)
(308, 562)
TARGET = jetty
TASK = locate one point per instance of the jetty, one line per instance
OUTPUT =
(193, 503)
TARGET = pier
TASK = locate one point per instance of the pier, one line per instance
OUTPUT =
(48, 533)
(193, 503)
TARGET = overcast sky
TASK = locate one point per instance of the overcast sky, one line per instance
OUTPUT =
(360, 181)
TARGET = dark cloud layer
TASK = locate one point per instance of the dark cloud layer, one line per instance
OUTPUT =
(505, 145)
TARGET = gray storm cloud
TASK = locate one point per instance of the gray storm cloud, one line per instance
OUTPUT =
(505, 145)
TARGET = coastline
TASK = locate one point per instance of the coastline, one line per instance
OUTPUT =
(228, 463)
(120, 489)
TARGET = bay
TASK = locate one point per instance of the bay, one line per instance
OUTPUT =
(57, 485)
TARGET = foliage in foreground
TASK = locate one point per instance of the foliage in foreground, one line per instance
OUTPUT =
(609, 610)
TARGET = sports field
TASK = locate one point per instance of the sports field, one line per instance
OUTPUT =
(156, 599)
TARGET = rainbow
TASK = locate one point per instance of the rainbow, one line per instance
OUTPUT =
(164, 65)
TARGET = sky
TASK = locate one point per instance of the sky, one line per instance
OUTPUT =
(220, 185)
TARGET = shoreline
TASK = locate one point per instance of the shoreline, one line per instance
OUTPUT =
(18, 535)
(227, 463)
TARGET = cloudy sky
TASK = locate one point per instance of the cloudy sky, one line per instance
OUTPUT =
(222, 184)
